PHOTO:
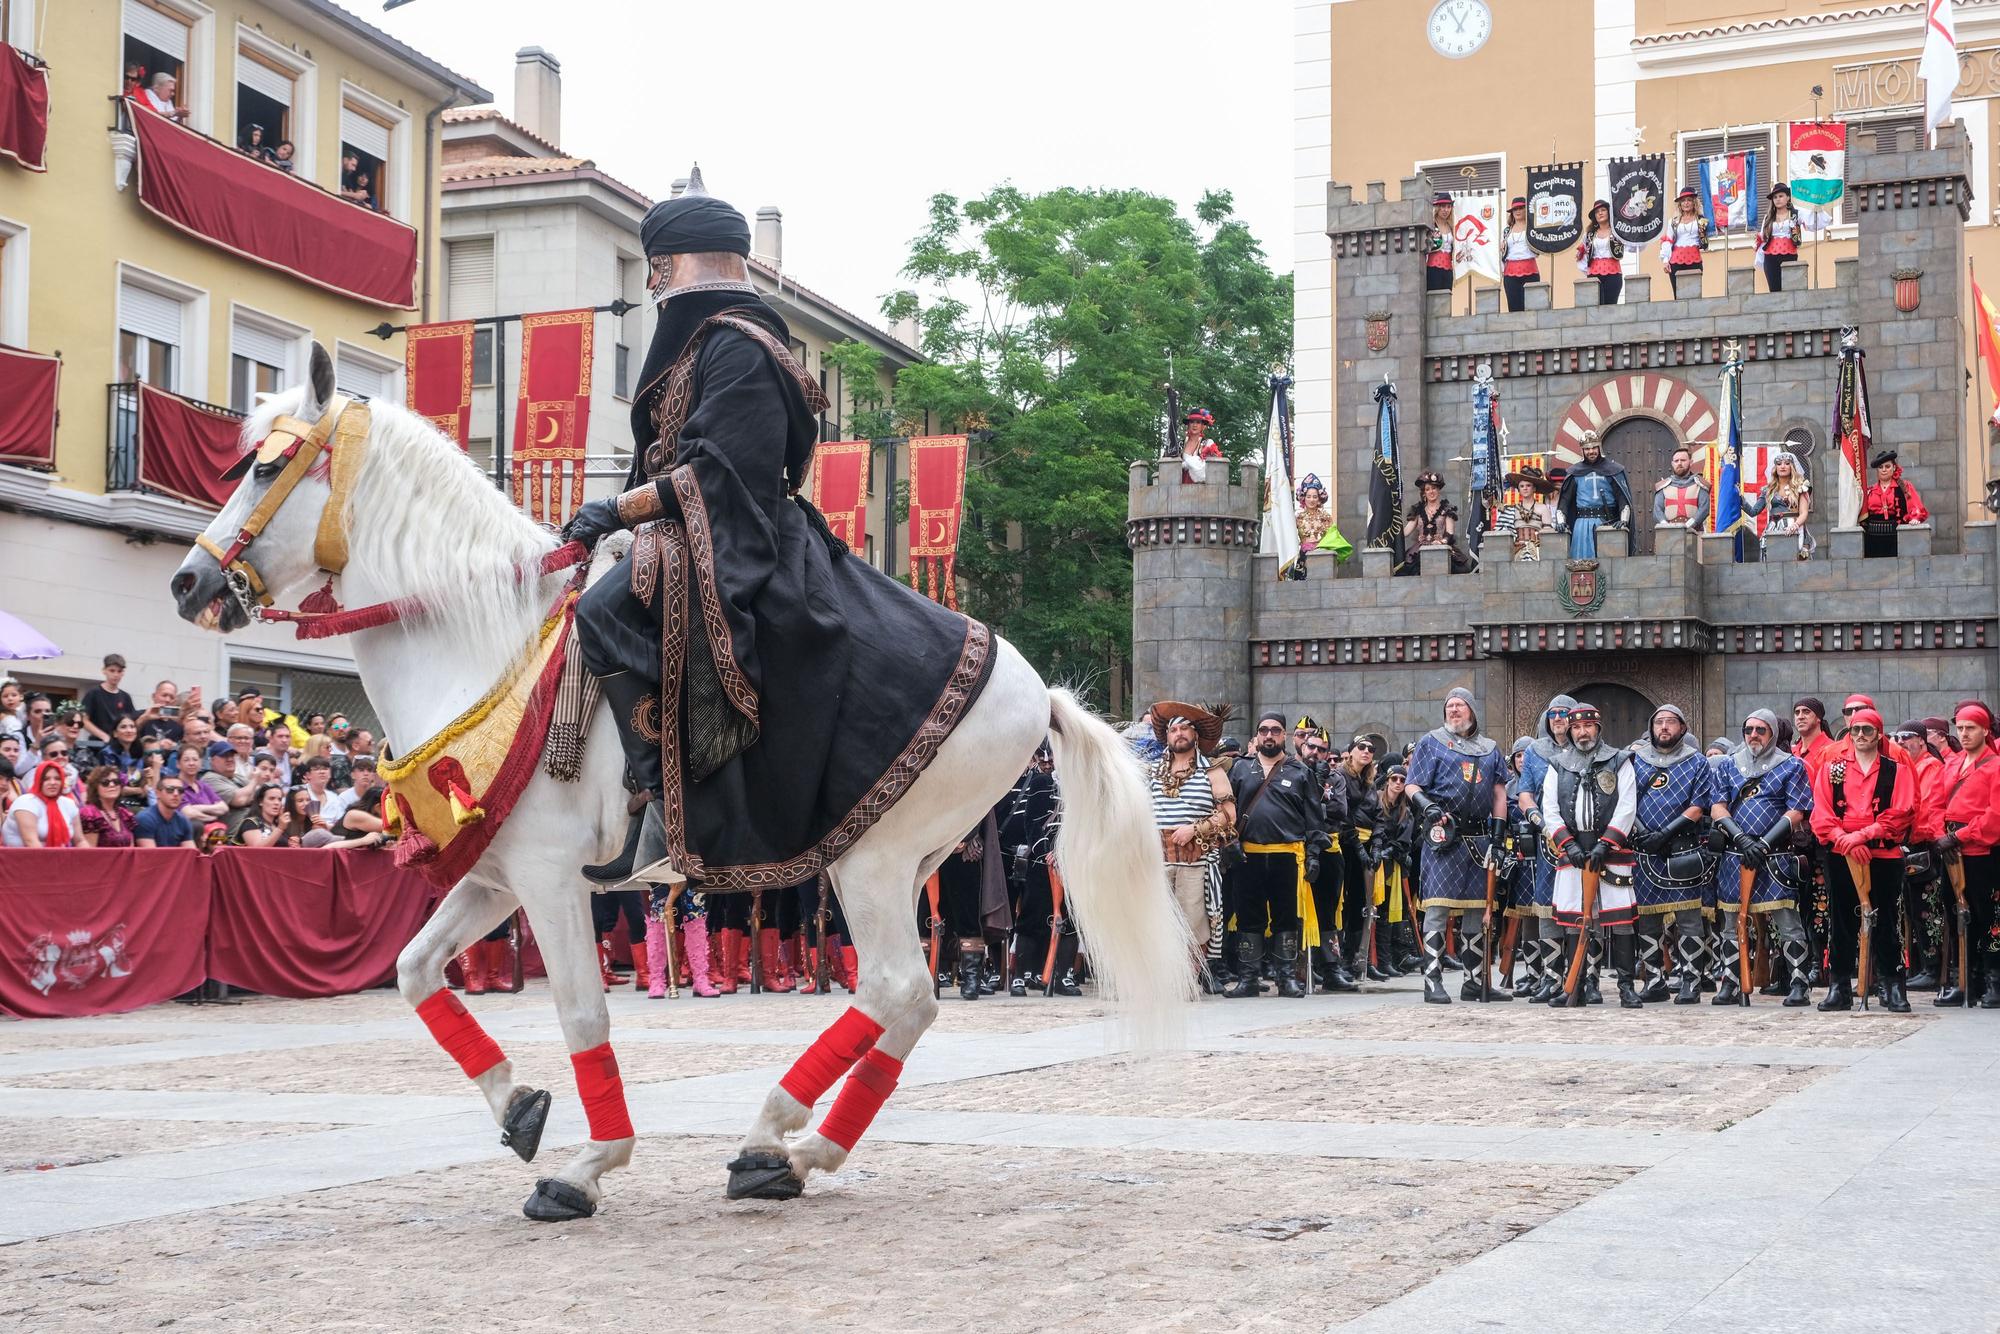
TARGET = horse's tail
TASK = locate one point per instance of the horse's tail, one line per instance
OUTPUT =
(1114, 876)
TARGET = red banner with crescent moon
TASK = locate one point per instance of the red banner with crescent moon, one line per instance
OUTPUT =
(840, 489)
(437, 380)
(937, 503)
(552, 414)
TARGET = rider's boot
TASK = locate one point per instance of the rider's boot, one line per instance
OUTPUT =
(632, 698)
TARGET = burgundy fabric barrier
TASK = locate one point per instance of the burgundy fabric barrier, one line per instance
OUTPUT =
(24, 110)
(99, 932)
(300, 923)
(271, 217)
(184, 449)
(29, 384)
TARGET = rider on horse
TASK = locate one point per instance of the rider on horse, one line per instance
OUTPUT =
(741, 610)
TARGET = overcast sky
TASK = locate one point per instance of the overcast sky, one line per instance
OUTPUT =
(849, 116)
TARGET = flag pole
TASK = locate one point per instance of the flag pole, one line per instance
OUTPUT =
(1819, 233)
(1978, 387)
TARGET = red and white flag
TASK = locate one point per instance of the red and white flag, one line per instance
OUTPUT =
(1939, 66)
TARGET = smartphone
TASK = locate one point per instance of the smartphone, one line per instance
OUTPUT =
(170, 710)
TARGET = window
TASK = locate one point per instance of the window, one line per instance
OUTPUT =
(156, 42)
(13, 283)
(264, 357)
(469, 282)
(364, 142)
(626, 288)
(1756, 139)
(1472, 173)
(151, 331)
(264, 98)
(360, 374)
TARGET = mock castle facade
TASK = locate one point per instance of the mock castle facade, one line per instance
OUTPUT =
(1679, 622)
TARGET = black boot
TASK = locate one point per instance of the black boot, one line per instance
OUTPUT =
(1285, 948)
(631, 698)
(1593, 966)
(1385, 951)
(1434, 992)
(1555, 972)
(1249, 949)
(970, 957)
(1926, 976)
(1690, 950)
(1799, 993)
(1409, 958)
(1989, 995)
(1839, 996)
(1653, 954)
(1337, 975)
(1728, 990)
(1624, 966)
(1895, 992)
(1063, 981)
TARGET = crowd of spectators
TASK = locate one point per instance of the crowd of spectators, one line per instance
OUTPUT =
(101, 772)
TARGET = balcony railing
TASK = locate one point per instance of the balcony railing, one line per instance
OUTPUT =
(166, 458)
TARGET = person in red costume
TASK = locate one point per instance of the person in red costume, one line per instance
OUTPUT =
(1891, 501)
(1809, 725)
(1863, 805)
(1921, 877)
(1971, 796)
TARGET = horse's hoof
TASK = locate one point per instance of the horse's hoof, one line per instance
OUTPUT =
(557, 1201)
(527, 1113)
(763, 1176)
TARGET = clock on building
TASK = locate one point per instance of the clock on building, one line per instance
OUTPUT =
(1457, 28)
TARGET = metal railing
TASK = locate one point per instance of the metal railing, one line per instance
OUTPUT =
(121, 445)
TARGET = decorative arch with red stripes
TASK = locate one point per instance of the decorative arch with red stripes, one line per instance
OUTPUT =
(1673, 401)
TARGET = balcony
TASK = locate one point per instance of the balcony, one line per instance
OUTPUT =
(208, 190)
(161, 444)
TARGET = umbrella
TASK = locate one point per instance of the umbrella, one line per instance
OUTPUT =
(18, 639)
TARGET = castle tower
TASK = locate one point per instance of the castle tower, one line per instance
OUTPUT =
(1193, 547)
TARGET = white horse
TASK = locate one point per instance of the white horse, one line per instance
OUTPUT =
(421, 522)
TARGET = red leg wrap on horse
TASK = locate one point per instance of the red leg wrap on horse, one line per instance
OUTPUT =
(873, 1080)
(830, 1056)
(459, 1034)
(602, 1090)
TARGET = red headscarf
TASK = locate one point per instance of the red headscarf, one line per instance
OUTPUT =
(59, 835)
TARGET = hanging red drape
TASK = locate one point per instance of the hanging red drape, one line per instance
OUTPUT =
(437, 384)
(552, 412)
(937, 504)
(29, 385)
(24, 109)
(184, 448)
(840, 489)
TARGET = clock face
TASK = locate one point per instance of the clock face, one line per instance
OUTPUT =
(1457, 28)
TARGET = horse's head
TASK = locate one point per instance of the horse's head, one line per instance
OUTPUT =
(270, 537)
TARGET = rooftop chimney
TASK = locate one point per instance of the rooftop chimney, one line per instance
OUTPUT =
(679, 188)
(538, 93)
(768, 240)
(907, 330)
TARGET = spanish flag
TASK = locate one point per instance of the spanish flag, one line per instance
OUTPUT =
(1989, 343)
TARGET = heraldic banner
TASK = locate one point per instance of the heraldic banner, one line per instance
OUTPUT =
(1818, 158)
(1638, 197)
(552, 415)
(937, 503)
(437, 376)
(840, 489)
(1555, 206)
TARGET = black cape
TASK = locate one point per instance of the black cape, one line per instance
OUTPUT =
(1610, 469)
(838, 682)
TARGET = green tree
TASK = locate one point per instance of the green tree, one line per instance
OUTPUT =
(859, 368)
(1054, 322)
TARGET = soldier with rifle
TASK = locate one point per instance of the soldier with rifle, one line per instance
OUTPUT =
(1864, 803)
(1362, 940)
(1762, 794)
(1676, 871)
(1590, 798)
(1971, 784)
(1458, 784)
(1542, 945)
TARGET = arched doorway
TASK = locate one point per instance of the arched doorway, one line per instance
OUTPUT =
(1645, 445)
(1627, 713)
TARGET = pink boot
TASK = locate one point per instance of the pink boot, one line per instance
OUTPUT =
(656, 956)
(696, 934)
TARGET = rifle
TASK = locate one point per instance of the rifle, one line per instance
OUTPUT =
(756, 939)
(1746, 885)
(1055, 930)
(937, 932)
(1955, 870)
(1507, 944)
(1486, 925)
(1590, 883)
(1863, 888)
(822, 966)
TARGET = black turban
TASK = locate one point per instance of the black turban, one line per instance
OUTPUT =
(694, 224)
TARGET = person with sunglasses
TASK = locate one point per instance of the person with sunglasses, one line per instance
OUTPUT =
(1971, 784)
(1330, 970)
(1863, 806)
(106, 822)
(1363, 940)
(164, 824)
(1762, 795)
(1278, 812)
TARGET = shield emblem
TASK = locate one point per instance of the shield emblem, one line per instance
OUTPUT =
(1467, 770)
(1659, 780)
(1378, 330)
(1581, 588)
(1607, 781)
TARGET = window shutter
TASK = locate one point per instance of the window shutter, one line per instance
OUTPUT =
(260, 345)
(367, 135)
(1698, 146)
(351, 377)
(469, 278)
(1893, 134)
(1477, 173)
(153, 28)
(146, 312)
(263, 79)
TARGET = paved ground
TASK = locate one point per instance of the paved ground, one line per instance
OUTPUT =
(1362, 1162)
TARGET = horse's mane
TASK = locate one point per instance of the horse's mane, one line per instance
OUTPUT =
(429, 525)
